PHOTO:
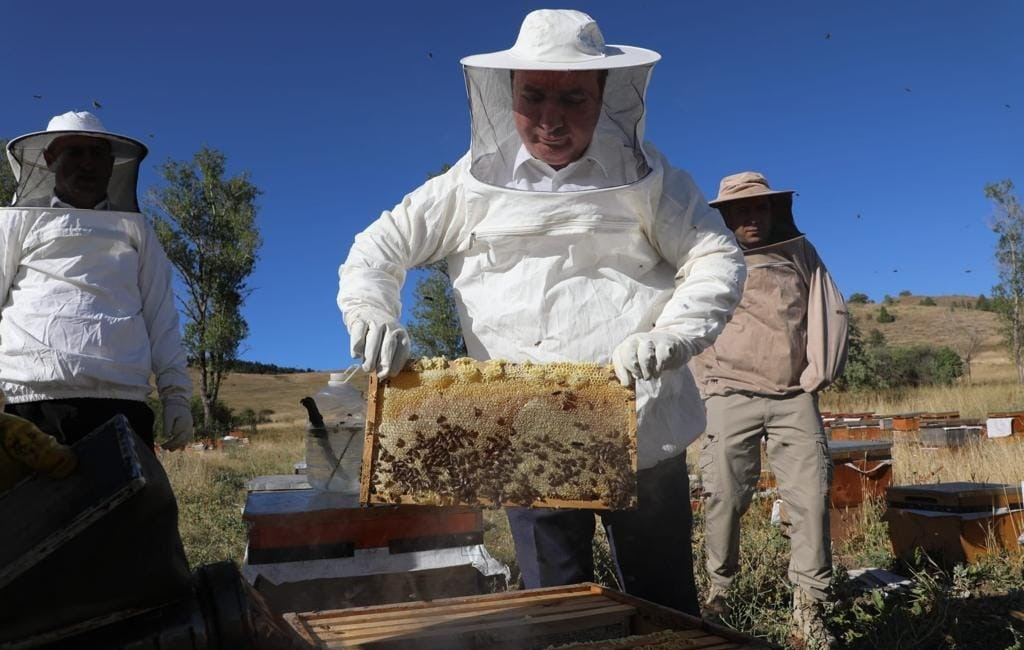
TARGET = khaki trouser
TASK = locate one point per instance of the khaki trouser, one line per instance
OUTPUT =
(730, 462)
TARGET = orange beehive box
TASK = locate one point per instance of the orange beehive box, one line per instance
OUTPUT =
(861, 469)
(955, 522)
(858, 432)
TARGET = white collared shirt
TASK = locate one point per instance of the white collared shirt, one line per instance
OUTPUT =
(605, 163)
(57, 203)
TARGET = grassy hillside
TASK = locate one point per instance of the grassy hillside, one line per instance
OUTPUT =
(943, 324)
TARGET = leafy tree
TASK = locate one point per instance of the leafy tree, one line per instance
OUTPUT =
(872, 364)
(884, 316)
(1008, 295)
(905, 293)
(861, 370)
(207, 225)
(435, 328)
(983, 303)
(888, 300)
(858, 299)
(927, 302)
(7, 184)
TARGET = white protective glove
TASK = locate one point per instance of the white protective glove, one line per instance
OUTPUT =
(177, 423)
(380, 341)
(646, 355)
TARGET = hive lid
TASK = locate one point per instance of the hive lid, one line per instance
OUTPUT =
(959, 496)
(846, 450)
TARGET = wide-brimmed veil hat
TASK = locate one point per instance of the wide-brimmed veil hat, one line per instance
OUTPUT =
(562, 39)
(744, 185)
(76, 123)
(35, 182)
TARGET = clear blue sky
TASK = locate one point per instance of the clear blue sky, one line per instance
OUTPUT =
(899, 112)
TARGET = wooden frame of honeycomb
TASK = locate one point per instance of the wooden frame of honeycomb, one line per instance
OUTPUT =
(494, 433)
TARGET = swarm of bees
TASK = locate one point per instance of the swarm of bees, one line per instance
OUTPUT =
(493, 433)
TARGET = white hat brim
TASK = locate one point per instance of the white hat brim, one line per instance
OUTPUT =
(615, 56)
(122, 146)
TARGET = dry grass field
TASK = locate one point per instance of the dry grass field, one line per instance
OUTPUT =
(977, 606)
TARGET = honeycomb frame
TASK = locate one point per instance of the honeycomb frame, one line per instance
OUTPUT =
(494, 433)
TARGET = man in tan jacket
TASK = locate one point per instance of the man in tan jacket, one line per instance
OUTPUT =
(760, 379)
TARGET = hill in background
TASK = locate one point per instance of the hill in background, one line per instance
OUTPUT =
(948, 323)
(945, 323)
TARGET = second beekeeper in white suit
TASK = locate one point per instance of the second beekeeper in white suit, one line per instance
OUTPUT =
(568, 238)
(87, 310)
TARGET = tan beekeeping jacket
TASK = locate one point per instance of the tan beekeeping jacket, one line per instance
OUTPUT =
(788, 334)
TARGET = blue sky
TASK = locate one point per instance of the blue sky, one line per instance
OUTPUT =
(899, 112)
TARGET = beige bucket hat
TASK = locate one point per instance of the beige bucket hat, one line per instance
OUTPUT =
(744, 185)
(562, 39)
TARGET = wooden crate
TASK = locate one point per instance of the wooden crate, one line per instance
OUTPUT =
(955, 522)
(858, 432)
(954, 436)
(493, 433)
(525, 620)
(906, 422)
(861, 469)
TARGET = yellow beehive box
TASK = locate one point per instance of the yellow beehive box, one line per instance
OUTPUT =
(466, 432)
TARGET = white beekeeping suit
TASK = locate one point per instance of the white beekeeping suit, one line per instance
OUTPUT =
(615, 252)
(86, 304)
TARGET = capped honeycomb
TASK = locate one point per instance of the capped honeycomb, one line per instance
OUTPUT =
(466, 432)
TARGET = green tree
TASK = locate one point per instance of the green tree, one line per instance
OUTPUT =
(858, 299)
(983, 303)
(434, 328)
(884, 316)
(888, 300)
(1008, 295)
(207, 225)
(861, 369)
(7, 184)
(905, 293)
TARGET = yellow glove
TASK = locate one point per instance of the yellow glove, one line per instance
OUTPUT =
(24, 449)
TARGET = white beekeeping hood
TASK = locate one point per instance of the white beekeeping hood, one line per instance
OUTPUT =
(35, 181)
(558, 40)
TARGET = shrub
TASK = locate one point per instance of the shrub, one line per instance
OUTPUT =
(884, 316)
(858, 299)
(905, 293)
(888, 300)
(927, 302)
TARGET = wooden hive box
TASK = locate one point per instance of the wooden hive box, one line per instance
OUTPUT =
(955, 522)
(306, 524)
(861, 469)
(950, 436)
(863, 430)
(1015, 425)
(586, 615)
(465, 432)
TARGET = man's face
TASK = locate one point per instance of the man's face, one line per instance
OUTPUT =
(750, 220)
(556, 112)
(82, 166)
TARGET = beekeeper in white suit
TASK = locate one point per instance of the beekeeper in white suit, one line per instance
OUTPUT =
(86, 307)
(568, 239)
